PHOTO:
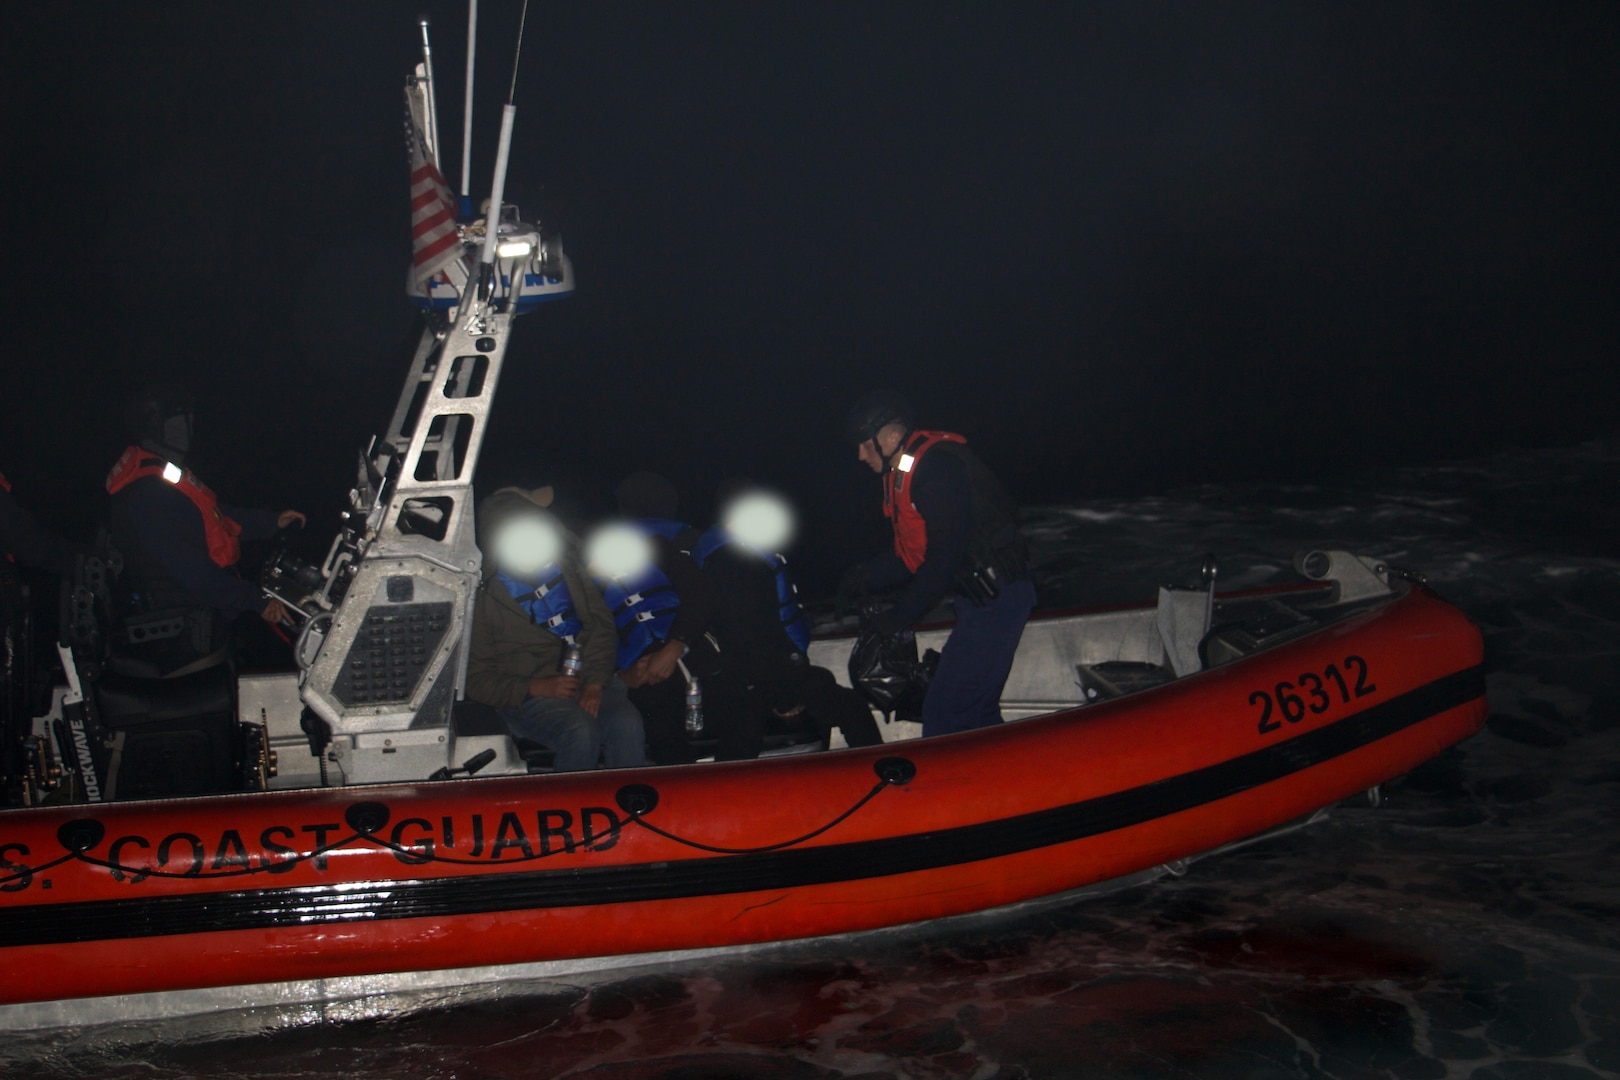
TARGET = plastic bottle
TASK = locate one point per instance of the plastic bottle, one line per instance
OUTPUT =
(694, 707)
(573, 663)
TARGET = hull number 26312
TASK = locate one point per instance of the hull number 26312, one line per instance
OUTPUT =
(1312, 693)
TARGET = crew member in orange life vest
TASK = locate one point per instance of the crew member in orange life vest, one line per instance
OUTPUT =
(180, 543)
(955, 534)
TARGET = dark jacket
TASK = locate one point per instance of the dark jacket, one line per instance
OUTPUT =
(748, 623)
(970, 518)
(165, 547)
(696, 613)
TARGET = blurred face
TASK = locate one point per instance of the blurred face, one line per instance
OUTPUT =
(619, 550)
(870, 457)
(526, 545)
(760, 519)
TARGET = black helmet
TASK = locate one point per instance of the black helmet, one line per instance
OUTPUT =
(160, 418)
(872, 411)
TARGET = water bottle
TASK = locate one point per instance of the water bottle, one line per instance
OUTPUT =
(694, 707)
(572, 663)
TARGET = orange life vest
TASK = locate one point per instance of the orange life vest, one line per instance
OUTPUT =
(224, 547)
(910, 530)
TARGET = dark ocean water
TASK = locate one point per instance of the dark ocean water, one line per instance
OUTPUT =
(1468, 927)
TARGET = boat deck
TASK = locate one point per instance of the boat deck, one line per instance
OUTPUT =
(1071, 659)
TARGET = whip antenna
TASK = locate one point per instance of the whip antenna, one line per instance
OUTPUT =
(508, 114)
(467, 101)
(431, 120)
(517, 54)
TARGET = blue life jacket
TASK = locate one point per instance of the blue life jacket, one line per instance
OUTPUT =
(548, 604)
(664, 527)
(795, 623)
(643, 606)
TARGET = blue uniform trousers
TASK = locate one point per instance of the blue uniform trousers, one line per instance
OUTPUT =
(973, 666)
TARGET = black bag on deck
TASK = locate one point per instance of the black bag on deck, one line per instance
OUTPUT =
(886, 672)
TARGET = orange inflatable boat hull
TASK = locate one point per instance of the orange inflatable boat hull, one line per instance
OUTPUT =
(170, 895)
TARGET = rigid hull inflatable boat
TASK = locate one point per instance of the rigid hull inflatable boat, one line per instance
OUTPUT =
(1308, 698)
(165, 854)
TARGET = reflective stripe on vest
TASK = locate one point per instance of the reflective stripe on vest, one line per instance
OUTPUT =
(910, 530)
(224, 547)
(549, 604)
(794, 620)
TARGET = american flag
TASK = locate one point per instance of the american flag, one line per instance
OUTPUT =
(435, 243)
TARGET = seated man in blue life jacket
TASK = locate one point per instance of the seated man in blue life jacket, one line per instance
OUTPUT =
(180, 543)
(534, 606)
(662, 608)
(759, 622)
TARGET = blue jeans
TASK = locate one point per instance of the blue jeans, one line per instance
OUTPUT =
(973, 666)
(624, 739)
(577, 739)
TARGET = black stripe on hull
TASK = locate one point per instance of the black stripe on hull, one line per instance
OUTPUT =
(314, 905)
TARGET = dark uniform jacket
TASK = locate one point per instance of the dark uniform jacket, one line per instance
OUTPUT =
(748, 623)
(970, 518)
(165, 547)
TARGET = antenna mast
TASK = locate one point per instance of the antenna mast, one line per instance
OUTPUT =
(432, 118)
(467, 103)
(402, 576)
(508, 115)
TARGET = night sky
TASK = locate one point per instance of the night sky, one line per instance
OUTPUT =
(1122, 247)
